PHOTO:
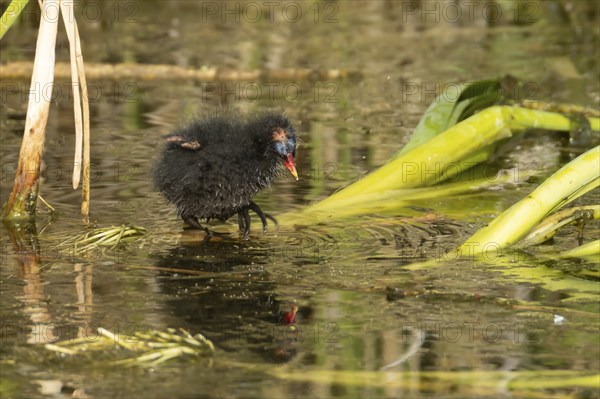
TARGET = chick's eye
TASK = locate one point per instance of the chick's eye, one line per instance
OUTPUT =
(291, 146)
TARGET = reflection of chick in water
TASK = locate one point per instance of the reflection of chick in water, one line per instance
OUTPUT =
(229, 301)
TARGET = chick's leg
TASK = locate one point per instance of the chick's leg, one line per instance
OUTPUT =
(244, 222)
(263, 216)
(193, 221)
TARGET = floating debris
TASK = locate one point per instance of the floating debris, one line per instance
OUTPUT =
(559, 320)
(156, 346)
(107, 237)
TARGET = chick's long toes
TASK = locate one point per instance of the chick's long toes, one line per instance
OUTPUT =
(208, 235)
(247, 224)
(263, 217)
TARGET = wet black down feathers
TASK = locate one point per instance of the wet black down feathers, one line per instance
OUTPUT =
(213, 167)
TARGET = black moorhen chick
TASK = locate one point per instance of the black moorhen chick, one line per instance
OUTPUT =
(211, 168)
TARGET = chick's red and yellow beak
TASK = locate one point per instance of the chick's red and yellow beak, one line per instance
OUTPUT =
(291, 165)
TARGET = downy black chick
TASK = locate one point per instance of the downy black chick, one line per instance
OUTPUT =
(213, 167)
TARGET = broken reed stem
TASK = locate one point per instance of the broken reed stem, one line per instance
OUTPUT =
(82, 110)
(68, 19)
(22, 201)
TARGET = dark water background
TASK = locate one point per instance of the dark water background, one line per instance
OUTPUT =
(359, 308)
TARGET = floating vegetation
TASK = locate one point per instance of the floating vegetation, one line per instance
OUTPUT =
(485, 383)
(546, 229)
(455, 134)
(569, 183)
(155, 346)
(591, 250)
(106, 237)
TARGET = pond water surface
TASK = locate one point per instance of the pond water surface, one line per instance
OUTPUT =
(367, 325)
